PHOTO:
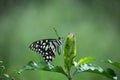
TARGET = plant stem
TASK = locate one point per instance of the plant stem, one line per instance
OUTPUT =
(69, 78)
(76, 70)
(69, 74)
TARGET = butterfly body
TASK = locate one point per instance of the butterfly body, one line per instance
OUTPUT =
(47, 47)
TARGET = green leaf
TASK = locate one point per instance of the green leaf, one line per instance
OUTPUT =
(58, 69)
(51, 68)
(95, 69)
(1, 62)
(85, 60)
(42, 66)
(111, 72)
(69, 50)
(4, 77)
(33, 64)
(116, 64)
(46, 66)
(30, 66)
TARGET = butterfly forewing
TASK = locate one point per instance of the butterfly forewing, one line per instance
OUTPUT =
(46, 47)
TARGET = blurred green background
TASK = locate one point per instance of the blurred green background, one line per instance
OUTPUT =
(95, 23)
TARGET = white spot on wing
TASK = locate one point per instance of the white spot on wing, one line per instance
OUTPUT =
(41, 42)
(50, 57)
(38, 49)
(44, 43)
(33, 48)
(50, 43)
(46, 40)
(31, 45)
(37, 42)
(46, 48)
(52, 47)
(36, 46)
(43, 47)
(41, 51)
(47, 57)
(46, 53)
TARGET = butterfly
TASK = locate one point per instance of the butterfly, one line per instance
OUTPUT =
(47, 47)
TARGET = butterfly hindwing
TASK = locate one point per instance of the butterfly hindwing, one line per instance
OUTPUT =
(46, 47)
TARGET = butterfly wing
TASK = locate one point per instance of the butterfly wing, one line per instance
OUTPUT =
(45, 47)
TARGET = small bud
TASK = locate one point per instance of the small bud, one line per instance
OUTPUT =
(69, 50)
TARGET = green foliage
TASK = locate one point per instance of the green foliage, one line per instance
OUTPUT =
(3, 75)
(85, 60)
(82, 65)
(69, 51)
(95, 69)
(116, 64)
(42, 66)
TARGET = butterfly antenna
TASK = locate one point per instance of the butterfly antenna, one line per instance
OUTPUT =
(56, 32)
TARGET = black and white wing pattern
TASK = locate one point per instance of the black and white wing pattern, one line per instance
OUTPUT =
(47, 47)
